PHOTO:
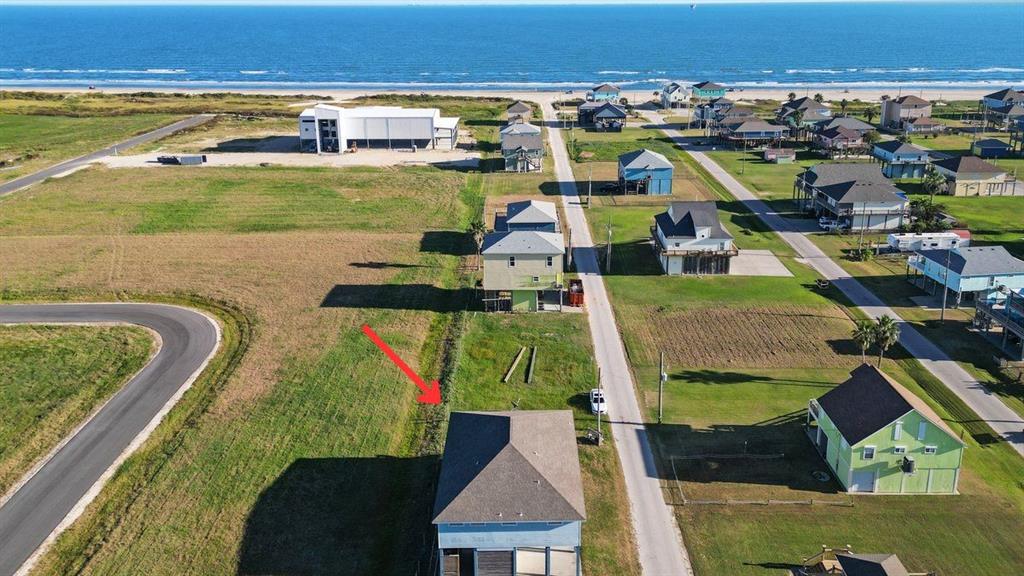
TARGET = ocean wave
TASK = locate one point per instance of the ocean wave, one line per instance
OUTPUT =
(618, 72)
(813, 71)
(254, 72)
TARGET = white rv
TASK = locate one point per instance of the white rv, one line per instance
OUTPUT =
(927, 241)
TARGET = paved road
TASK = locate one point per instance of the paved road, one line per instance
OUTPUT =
(57, 493)
(1007, 423)
(661, 549)
(34, 178)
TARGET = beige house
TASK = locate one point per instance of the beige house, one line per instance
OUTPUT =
(897, 113)
(972, 176)
(523, 259)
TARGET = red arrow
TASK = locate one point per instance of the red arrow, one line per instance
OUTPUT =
(431, 394)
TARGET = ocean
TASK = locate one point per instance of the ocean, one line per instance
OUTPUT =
(639, 47)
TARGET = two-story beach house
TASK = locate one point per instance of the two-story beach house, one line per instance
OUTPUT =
(1003, 107)
(897, 112)
(674, 95)
(645, 172)
(839, 141)
(510, 495)
(901, 160)
(707, 90)
(522, 147)
(972, 176)
(971, 272)
(713, 110)
(1006, 313)
(327, 128)
(601, 116)
(523, 259)
(876, 436)
(748, 131)
(689, 239)
(847, 122)
(802, 113)
(856, 195)
(604, 93)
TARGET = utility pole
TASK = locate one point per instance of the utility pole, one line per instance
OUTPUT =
(661, 384)
(590, 185)
(945, 286)
(601, 394)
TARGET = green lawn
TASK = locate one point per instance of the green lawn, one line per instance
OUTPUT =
(608, 146)
(52, 378)
(31, 143)
(564, 373)
(991, 219)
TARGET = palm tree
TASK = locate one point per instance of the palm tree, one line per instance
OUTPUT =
(798, 121)
(864, 336)
(791, 96)
(478, 229)
(887, 333)
(869, 113)
(819, 98)
(842, 106)
(932, 183)
(903, 138)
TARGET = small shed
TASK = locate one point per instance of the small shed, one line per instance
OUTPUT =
(779, 155)
(519, 112)
(645, 172)
(990, 148)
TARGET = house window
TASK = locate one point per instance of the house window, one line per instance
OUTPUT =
(897, 431)
(868, 453)
(555, 523)
(550, 261)
(536, 278)
(511, 261)
(899, 449)
(922, 428)
(931, 449)
(508, 523)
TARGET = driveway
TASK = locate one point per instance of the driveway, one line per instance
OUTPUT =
(659, 541)
(51, 497)
(1004, 421)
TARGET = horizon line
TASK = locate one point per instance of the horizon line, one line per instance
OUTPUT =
(468, 3)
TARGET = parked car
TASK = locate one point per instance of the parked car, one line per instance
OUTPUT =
(611, 187)
(826, 223)
(598, 404)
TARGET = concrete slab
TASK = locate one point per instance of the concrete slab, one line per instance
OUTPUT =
(757, 263)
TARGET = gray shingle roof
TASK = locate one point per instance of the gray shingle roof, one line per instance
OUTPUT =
(520, 128)
(683, 218)
(871, 565)
(707, 85)
(644, 159)
(968, 165)
(991, 143)
(859, 191)
(828, 173)
(519, 107)
(755, 125)
(520, 466)
(911, 100)
(924, 121)
(606, 88)
(841, 132)
(897, 147)
(1013, 110)
(805, 103)
(845, 122)
(977, 260)
(523, 242)
(531, 212)
(869, 401)
(1006, 95)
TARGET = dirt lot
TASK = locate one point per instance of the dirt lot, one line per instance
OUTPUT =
(778, 336)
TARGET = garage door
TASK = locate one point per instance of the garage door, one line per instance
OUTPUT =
(675, 265)
(863, 481)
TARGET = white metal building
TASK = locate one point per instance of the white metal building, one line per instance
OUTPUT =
(326, 128)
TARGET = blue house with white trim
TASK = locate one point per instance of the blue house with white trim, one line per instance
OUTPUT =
(901, 160)
(981, 272)
(604, 93)
(510, 495)
(645, 172)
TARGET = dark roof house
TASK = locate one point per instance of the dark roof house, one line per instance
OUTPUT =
(519, 466)
(683, 219)
(871, 565)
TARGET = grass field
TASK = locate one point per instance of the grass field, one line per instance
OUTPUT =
(564, 373)
(52, 378)
(233, 133)
(100, 104)
(313, 456)
(30, 143)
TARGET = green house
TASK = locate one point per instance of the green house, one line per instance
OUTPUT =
(878, 437)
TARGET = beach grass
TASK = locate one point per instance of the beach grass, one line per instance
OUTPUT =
(31, 142)
(52, 378)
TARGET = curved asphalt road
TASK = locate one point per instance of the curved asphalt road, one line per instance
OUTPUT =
(35, 177)
(58, 491)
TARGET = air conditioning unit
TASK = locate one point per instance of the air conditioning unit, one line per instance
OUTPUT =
(909, 466)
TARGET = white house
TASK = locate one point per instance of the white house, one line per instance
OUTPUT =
(689, 239)
(327, 128)
(674, 95)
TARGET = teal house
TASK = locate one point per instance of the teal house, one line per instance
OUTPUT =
(604, 93)
(901, 160)
(878, 437)
(645, 172)
(707, 90)
(510, 495)
(977, 272)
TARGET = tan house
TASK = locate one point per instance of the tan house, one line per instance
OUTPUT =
(972, 176)
(897, 113)
(523, 259)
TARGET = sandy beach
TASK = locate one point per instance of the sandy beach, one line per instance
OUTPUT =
(830, 94)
